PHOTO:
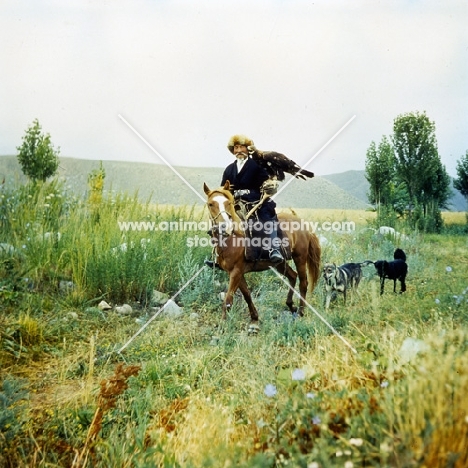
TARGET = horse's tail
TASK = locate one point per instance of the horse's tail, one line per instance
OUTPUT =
(313, 261)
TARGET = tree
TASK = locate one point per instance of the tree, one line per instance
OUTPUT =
(461, 182)
(415, 147)
(380, 172)
(418, 165)
(37, 156)
(96, 187)
(385, 192)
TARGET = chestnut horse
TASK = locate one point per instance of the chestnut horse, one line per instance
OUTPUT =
(230, 253)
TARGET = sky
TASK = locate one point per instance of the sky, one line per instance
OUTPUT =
(154, 80)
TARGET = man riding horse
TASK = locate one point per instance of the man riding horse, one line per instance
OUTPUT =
(246, 179)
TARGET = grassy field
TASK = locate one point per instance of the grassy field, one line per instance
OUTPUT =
(191, 391)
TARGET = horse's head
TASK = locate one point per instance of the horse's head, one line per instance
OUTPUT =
(220, 204)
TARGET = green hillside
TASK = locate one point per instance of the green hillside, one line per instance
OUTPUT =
(165, 187)
(346, 190)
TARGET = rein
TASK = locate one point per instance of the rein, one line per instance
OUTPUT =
(214, 218)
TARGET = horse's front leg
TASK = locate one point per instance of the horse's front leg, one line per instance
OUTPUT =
(254, 327)
(235, 277)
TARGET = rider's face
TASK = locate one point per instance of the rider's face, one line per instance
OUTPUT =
(240, 151)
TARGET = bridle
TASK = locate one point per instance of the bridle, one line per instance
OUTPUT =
(213, 219)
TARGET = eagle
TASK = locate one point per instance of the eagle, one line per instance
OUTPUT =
(276, 164)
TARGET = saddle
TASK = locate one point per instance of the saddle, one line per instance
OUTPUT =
(258, 240)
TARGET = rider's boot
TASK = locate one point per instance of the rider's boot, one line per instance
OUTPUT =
(275, 252)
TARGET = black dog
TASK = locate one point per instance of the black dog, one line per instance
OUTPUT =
(342, 278)
(394, 270)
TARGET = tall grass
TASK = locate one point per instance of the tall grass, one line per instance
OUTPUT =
(208, 394)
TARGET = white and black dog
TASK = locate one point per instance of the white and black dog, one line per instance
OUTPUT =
(342, 278)
(397, 269)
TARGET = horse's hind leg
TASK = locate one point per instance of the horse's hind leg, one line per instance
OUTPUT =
(301, 267)
(291, 276)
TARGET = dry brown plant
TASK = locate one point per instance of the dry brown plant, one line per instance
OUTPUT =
(110, 389)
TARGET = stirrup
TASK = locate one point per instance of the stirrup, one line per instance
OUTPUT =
(276, 257)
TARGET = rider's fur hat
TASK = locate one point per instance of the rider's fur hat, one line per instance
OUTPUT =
(239, 140)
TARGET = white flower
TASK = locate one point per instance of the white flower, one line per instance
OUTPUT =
(384, 384)
(298, 374)
(310, 395)
(270, 390)
(316, 420)
(339, 453)
(313, 465)
(356, 442)
(437, 301)
(448, 269)
(348, 464)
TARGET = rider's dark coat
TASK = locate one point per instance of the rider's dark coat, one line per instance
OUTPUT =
(250, 177)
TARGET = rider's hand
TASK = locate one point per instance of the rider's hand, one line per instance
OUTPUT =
(239, 193)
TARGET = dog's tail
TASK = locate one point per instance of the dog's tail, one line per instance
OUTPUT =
(399, 255)
(367, 262)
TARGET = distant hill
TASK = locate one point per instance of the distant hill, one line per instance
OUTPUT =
(158, 183)
(355, 183)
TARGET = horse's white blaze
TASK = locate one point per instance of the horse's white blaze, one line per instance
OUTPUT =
(222, 204)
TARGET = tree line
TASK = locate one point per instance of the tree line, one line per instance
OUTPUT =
(407, 178)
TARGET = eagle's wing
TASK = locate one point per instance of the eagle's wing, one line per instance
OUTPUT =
(284, 164)
(272, 169)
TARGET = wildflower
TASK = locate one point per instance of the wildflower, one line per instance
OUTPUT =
(348, 464)
(437, 301)
(270, 390)
(298, 374)
(384, 384)
(316, 420)
(339, 453)
(448, 269)
(310, 395)
(356, 442)
(313, 465)
(385, 447)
